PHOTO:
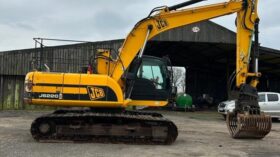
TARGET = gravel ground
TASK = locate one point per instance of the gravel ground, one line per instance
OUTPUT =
(200, 134)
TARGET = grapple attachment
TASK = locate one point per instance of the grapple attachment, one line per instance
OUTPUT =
(248, 126)
(247, 120)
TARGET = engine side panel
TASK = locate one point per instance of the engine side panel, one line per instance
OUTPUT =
(63, 89)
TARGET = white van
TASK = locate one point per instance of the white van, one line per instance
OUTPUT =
(269, 103)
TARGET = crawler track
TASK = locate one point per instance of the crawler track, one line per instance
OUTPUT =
(88, 126)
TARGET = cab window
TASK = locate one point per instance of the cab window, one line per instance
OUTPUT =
(155, 71)
(272, 97)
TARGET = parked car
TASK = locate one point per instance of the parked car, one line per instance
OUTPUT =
(269, 103)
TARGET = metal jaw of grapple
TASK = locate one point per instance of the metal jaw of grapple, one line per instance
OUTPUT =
(247, 121)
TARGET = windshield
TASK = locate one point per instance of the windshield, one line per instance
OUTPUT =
(153, 70)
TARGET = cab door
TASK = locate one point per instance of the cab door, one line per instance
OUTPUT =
(152, 81)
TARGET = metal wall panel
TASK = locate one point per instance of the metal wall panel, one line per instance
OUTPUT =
(9, 91)
(12, 88)
(68, 58)
(1, 92)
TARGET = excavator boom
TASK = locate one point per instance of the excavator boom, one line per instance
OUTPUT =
(122, 80)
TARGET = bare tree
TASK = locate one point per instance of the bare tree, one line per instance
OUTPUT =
(179, 78)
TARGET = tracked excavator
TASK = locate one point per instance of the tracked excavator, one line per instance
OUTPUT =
(129, 78)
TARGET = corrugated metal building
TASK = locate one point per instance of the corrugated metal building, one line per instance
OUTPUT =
(15, 64)
(206, 49)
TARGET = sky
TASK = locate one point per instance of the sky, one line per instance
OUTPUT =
(97, 20)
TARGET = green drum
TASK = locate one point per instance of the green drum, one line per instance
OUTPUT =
(184, 100)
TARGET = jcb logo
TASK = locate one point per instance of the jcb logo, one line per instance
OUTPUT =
(161, 23)
(95, 93)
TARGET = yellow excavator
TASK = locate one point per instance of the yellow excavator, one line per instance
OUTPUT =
(116, 80)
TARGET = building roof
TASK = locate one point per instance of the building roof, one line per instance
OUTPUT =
(205, 31)
(204, 45)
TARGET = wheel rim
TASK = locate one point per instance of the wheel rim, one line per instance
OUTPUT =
(44, 128)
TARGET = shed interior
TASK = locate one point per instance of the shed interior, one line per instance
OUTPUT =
(209, 66)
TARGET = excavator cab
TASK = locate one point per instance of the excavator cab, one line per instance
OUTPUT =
(149, 79)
